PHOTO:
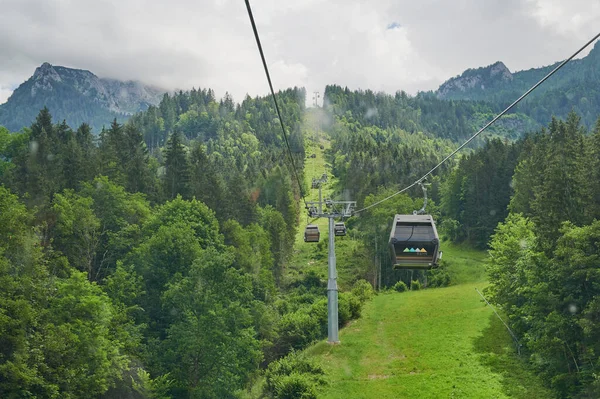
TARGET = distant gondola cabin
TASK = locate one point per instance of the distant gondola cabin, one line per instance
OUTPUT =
(414, 242)
(339, 229)
(311, 233)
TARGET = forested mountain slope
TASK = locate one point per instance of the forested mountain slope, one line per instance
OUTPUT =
(449, 119)
(148, 275)
(575, 87)
(161, 257)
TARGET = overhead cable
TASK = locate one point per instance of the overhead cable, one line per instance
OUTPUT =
(262, 56)
(483, 128)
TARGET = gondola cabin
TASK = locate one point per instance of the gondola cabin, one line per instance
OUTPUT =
(414, 242)
(311, 233)
(339, 229)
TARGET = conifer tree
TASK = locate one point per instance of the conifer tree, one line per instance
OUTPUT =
(177, 168)
(135, 153)
(206, 184)
(560, 196)
(111, 153)
(593, 175)
(168, 112)
(34, 177)
(85, 141)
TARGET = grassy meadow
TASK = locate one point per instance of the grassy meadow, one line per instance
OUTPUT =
(433, 343)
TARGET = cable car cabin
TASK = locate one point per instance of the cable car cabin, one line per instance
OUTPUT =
(311, 233)
(414, 242)
(339, 229)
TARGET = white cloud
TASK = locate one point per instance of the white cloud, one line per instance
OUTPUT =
(567, 18)
(5, 92)
(311, 43)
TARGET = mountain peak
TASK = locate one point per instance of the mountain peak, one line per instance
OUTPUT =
(477, 79)
(46, 69)
(44, 77)
(76, 95)
(498, 68)
(595, 52)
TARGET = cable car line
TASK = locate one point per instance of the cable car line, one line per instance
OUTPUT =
(485, 127)
(264, 62)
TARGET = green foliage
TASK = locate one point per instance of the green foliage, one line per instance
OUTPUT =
(363, 290)
(450, 228)
(349, 307)
(15, 232)
(298, 329)
(120, 214)
(211, 346)
(415, 285)
(439, 276)
(177, 169)
(11, 144)
(422, 113)
(366, 159)
(476, 194)
(78, 339)
(193, 214)
(400, 286)
(550, 181)
(152, 282)
(77, 230)
(574, 88)
(294, 376)
(551, 301)
(147, 387)
(56, 334)
(143, 256)
(511, 247)
(294, 386)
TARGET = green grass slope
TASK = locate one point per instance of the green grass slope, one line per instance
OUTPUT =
(434, 343)
(312, 257)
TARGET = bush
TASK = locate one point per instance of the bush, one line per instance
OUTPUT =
(452, 230)
(297, 330)
(363, 290)
(400, 286)
(415, 285)
(439, 277)
(318, 311)
(294, 376)
(294, 386)
(349, 307)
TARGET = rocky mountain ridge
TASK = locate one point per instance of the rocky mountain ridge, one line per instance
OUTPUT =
(76, 96)
(576, 87)
(478, 78)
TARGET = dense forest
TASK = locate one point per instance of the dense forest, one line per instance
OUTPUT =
(544, 257)
(533, 202)
(150, 260)
(450, 119)
(133, 270)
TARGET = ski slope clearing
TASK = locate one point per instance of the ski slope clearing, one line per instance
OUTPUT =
(434, 343)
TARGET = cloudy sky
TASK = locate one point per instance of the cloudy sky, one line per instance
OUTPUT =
(384, 45)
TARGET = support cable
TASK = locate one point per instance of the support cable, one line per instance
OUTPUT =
(518, 100)
(262, 56)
